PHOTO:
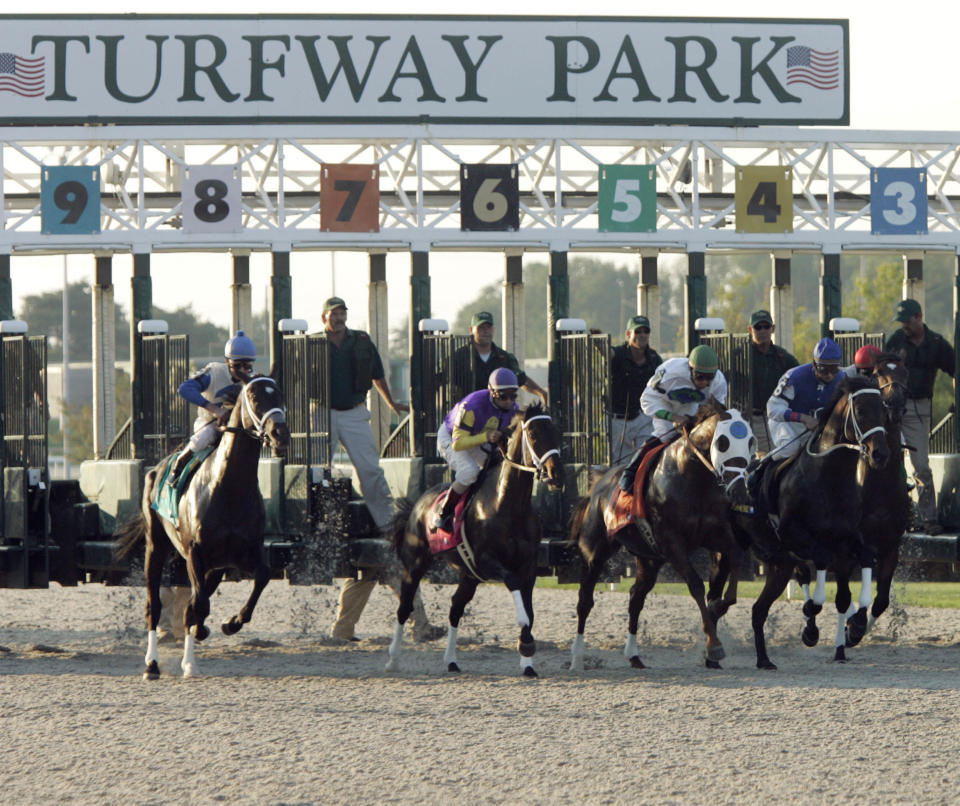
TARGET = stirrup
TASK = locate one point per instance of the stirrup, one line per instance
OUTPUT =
(627, 479)
(173, 479)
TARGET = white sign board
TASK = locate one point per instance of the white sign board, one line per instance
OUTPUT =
(485, 70)
(211, 199)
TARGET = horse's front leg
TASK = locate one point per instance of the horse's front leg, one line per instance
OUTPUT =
(526, 645)
(778, 574)
(458, 603)
(589, 573)
(713, 652)
(261, 576)
(856, 623)
(154, 558)
(647, 571)
(725, 568)
(812, 603)
(197, 612)
(886, 566)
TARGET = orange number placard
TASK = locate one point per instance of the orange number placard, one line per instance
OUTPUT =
(350, 198)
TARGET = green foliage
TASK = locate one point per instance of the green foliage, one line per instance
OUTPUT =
(80, 421)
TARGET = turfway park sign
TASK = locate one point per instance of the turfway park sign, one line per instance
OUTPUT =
(380, 69)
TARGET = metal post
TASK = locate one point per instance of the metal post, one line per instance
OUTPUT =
(6, 288)
(781, 300)
(241, 309)
(419, 309)
(831, 301)
(281, 306)
(913, 286)
(648, 293)
(513, 313)
(104, 355)
(694, 298)
(141, 303)
(377, 315)
(558, 307)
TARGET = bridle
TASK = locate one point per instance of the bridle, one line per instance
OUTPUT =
(850, 418)
(258, 430)
(539, 462)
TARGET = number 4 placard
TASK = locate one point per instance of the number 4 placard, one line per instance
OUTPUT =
(898, 201)
(763, 199)
(627, 198)
(211, 198)
(489, 198)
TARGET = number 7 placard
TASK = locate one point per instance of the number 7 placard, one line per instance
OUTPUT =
(350, 198)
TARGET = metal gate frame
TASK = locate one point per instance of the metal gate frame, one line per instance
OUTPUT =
(733, 350)
(584, 364)
(306, 390)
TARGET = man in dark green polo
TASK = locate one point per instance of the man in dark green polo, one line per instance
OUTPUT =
(768, 362)
(924, 352)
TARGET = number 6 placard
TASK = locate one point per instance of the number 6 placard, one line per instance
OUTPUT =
(898, 201)
(70, 200)
(489, 198)
(211, 198)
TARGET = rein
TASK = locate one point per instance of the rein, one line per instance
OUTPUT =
(538, 461)
(851, 418)
(257, 432)
(698, 453)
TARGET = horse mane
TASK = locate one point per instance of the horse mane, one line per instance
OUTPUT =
(709, 408)
(847, 384)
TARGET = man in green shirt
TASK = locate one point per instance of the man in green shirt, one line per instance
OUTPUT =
(924, 352)
(768, 362)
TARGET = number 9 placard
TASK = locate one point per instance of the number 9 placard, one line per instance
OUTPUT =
(763, 198)
(70, 200)
(627, 198)
(211, 198)
(898, 201)
(489, 198)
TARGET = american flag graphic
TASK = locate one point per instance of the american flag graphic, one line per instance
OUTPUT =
(818, 68)
(22, 76)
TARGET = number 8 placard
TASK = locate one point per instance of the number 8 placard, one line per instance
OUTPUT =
(211, 198)
(898, 201)
(70, 200)
(489, 198)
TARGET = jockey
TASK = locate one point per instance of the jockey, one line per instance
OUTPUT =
(794, 406)
(207, 389)
(672, 397)
(475, 422)
(864, 361)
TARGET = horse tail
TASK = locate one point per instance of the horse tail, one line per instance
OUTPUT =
(128, 536)
(577, 516)
(399, 523)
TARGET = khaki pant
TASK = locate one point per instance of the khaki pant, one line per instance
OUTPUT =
(916, 433)
(173, 605)
(354, 596)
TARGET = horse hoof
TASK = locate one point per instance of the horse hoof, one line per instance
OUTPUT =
(767, 664)
(452, 667)
(392, 666)
(810, 636)
(810, 609)
(636, 663)
(152, 672)
(527, 650)
(856, 628)
(715, 653)
(231, 627)
(529, 671)
(840, 656)
(201, 632)
(189, 670)
(712, 664)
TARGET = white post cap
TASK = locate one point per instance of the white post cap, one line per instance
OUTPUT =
(13, 326)
(434, 326)
(292, 325)
(571, 325)
(152, 326)
(844, 324)
(709, 323)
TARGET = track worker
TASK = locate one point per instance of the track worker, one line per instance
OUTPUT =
(924, 352)
(483, 356)
(356, 367)
(632, 364)
(469, 432)
(793, 408)
(208, 390)
(672, 397)
(768, 362)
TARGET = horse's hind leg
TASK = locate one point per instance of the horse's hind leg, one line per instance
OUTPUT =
(886, 566)
(526, 645)
(261, 576)
(197, 612)
(458, 603)
(647, 571)
(154, 558)
(810, 635)
(589, 574)
(778, 574)
(415, 561)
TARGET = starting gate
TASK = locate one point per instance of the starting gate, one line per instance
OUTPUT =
(733, 351)
(306, 391)
(851, 342)
(584, 367)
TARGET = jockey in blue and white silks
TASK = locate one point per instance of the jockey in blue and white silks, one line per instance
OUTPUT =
(793, 408)
(475, 422)
(207, 390)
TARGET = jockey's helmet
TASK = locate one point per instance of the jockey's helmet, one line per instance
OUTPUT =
(703, 358)
(240, 348)
(866, 357)
(502, 380)
(827, 351)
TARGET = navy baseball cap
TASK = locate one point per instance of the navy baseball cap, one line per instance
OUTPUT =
(907, 309)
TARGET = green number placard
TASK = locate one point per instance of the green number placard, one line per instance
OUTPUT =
(764, 199)
(627, 198)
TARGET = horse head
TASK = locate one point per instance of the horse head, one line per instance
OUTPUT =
(260, 412)
(891, 375)
(535, 434)
(727, 438)
(854, 417)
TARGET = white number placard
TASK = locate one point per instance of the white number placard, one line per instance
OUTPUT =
(211, 198)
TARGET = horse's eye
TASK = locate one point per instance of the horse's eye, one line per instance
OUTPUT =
(723, 444)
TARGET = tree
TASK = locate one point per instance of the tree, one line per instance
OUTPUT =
(80, 420)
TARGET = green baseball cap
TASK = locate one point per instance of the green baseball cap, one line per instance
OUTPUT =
(332, 303)
(760, 316)
(481, 318)
(637, 321)
(907, 309)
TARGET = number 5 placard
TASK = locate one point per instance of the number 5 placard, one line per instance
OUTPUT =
(898, 201)
(627, 198)
(70, 200)
(211, 198)
(763, 199)
(489, 198)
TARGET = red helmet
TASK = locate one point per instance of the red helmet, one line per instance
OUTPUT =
(866, 357)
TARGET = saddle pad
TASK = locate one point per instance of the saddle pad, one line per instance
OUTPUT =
(624, 507)
(166, 498)
(439, 539)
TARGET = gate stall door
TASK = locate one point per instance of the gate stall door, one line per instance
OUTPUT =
(733, 350)
(306, 391)
(584, 365)
(166, 417)
(449, 370)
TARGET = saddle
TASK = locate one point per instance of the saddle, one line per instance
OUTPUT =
(167, 499)
(439, 539)
(627, 509)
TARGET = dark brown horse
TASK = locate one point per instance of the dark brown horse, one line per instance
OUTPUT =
(818, 507)
(687, 508)
(502, 532)
(220, 520)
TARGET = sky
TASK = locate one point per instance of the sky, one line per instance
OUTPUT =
(902, 78)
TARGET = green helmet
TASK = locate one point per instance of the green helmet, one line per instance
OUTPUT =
(703, 358)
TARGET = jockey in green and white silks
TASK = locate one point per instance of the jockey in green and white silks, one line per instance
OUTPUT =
(677, 389)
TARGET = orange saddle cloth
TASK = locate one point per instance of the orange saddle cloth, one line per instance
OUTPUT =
(624, 507)
(439, 539)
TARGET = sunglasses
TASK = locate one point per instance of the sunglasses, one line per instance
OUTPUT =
(243, 366)
(762, 326)
(642, 330)
(865, 371)
(506, 395)
(704, 376)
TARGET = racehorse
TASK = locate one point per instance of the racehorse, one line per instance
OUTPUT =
(220, 520)
(818, 507)
(501, 530)
(687, 508)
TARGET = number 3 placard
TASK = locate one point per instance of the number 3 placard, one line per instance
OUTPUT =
(70, 200)
(211, 198)
(763, 199)
(489, 198)
(898, 201)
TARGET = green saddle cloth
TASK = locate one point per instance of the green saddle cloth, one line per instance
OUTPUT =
(167, 499)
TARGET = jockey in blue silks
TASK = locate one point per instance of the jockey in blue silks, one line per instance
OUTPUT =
(794, 407)
(207, 390)
(474, 423)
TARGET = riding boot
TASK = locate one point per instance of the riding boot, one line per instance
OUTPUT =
(185, 456)
(444, 519)
(630, 471)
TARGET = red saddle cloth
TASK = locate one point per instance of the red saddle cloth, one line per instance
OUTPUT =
(439, 539)
(624, 507)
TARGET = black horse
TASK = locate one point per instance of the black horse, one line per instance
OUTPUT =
(501, 534)
(818, 506)
(687, 508)
(220, 520)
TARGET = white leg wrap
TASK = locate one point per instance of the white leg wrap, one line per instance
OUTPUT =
(791, 590)
(820, 591)
(396, 645)
(523, 618)
(152, 654)
(450, 653)
(806, 591)
(577, 652)
(630, 649)
(866, 587)
(841, 637)
(189, 662)
(525, 663)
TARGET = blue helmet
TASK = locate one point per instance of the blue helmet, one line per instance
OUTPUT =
(502, 378)
(827, 351)
(240, 348)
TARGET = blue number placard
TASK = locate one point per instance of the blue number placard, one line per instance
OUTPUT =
(898, 201)
(70, 200)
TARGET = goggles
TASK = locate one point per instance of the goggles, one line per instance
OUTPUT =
(826, 369)
(505, 394)
(703, 376)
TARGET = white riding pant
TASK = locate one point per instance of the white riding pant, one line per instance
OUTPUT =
(626, 436)
(352, 429)
(466, 464)
(787, 438)
(204, 433)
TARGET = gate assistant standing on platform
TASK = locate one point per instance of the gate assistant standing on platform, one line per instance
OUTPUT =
(631, 365)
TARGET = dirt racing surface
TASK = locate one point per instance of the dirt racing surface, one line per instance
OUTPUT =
(283, 714)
